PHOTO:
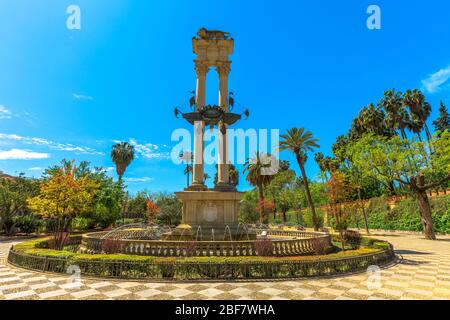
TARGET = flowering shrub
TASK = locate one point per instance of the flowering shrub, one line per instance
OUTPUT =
(320, 245)
(152, 211)
(264, 247)
(191, 248)
(352, 238)
(111, 246)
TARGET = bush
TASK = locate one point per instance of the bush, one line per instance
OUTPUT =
(307, 218)
(248, 212)
(320, 245)
(405, 215)
(352, 238)
(264, 247)
(110, 246)
(83, 224)
(27, 223)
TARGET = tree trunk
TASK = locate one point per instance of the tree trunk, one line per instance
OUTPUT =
(404, 136)
(308, 194)
(284, 217)
(427, 131)
(366, 224)
(425, 213)
(262, 211)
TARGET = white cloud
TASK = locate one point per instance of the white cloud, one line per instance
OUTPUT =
(18, 154)
(82, 97)
(36, 169)
(149, 150)
(144, 179)
(110, 169)
(5, 113)
(435, 81)
(47, 143)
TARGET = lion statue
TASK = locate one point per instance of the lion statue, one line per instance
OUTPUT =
(205, 34)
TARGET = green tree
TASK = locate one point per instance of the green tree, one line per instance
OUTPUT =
(282, 180)
(397, 116)
(419, 109)
(63, 195)
(14, 192)
(408, 163)
(138, 203)
(122, 155)
(256, 176)
(300, 142)
(443, 122)
(169, 209)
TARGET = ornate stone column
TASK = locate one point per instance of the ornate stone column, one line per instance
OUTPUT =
(198, 175)
(223, 179)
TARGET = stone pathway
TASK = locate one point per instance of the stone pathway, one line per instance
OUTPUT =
(423, 273)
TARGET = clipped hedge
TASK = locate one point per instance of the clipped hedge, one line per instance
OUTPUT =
(30, 255)
(405, 216)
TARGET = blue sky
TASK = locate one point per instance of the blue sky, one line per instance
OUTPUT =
(72, 93)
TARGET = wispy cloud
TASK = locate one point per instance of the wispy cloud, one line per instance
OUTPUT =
(149, 150)
(49, 144)
(5, 113)
(82, 96)
(19, 154)
(143, 179)
(36, 169)
(437, 80)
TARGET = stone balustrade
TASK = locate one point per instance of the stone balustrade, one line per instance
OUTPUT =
(290, 243)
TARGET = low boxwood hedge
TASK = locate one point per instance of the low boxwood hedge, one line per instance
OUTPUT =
(34, 255)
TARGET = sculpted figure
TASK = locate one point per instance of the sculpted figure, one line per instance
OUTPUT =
(205, 34)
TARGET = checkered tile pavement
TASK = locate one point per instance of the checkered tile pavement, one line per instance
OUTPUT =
(423, 273)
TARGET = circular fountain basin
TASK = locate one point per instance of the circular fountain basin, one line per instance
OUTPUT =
(149, 242)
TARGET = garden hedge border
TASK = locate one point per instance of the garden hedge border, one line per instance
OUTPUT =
(137, 270)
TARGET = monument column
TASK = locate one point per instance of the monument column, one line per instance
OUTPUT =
(223, 69)
(198, 175)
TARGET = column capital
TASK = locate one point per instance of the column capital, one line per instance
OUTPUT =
(223, 68)
(201, 68)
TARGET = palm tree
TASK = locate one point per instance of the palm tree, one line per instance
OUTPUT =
(187, 172)
(397, 116)
(415, 126)
(299, 142)
(371, 119)
(256, 177)
(419, 108)
(206, 176)
(320, 160)
(122, 154)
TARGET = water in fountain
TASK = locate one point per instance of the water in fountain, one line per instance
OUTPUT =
(199, 230)
(212, 234)
(229, 232)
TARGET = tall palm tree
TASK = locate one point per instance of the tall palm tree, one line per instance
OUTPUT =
(320, 160)
(299, 142)
(122, 154)
(419, 108)
(256, 177)
(397, 116)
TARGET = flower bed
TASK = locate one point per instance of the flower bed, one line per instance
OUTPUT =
(33, 255)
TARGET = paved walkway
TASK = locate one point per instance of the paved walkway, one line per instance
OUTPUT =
(423, 273)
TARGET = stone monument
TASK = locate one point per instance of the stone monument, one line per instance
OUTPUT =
(211, 214)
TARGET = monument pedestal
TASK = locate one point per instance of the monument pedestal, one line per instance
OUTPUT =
(210, 215)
